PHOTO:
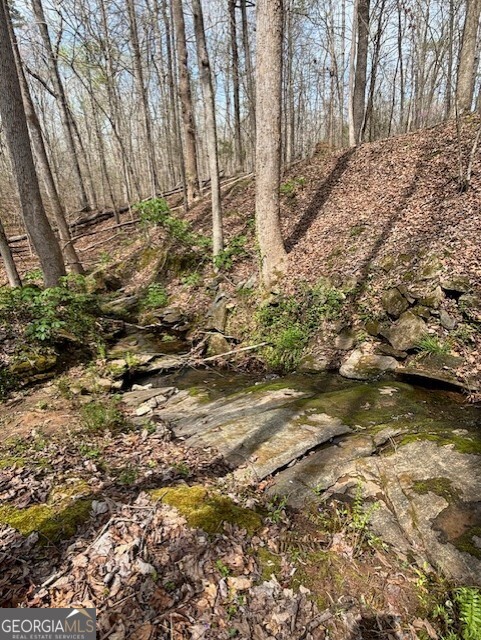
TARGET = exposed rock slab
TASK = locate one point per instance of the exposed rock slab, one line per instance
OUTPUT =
(192, 414)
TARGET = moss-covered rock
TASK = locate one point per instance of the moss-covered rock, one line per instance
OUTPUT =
(440, 486)
(206, 509)
(68, 507)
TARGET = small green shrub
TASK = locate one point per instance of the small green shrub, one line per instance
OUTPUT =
(156, 213)
(432, 345)
(39, 315)
(155, 297)
(289, 324)
(235, 249)
(192, 279)
(102, 416)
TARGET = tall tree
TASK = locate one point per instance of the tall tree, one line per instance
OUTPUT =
(16, 132)
(65, 113)
(270, 20)
(468, 60)
(359, 76)
(187, 106)
(238, 151)
(210, 125)
(43, 162)
(142, 93)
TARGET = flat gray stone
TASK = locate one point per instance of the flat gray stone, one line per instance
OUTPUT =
(305, 481)
(193, 414)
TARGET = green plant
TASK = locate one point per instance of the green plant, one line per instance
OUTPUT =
(222, 569)
(155, 297)
(102, 416)
(90, 452)
(277, 509)
(290, 187)
(289, 323)
(432, 345)
(235, 249)
(192, 279)
(468, 601)
(48, 315)
(156, 212)
(182, 469)
(152, 212)
(105, 258)
(128, 476)
(34, 276)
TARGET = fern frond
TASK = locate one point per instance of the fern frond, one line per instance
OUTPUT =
(468, 600)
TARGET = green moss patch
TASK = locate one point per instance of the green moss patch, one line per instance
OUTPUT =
(11, 461)
(440, 486)
(466, 542)
(206, 509)
(269, 564)
(463, 444)
(56, 520)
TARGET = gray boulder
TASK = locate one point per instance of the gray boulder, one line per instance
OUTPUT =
(394, 303)
(366, 366)
(456, 284)
(406, 333)
(447, 321)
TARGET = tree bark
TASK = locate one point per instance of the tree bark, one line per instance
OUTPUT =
(359, 93)
(141, 90)
(250, 84)
(211, 126)
(38, 144)
(352, 75)
(16, 132)
(8, 261)
(359, 96)
(238, 151)
(268, 148)
(65, 114)
(187, 107)
(468, 57)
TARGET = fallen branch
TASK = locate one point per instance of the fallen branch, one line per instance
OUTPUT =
(113, 228)
(233, 352)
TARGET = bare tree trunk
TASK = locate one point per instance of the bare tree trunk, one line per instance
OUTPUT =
(449, 78)
(187, 107)
(374, 69)
(268, 148)
(467, 57)
(8, 261)
(141, 90)
(352, 75)
(359, 94)
(238, 151)
(16, 132)
(250, 84)
(62, 100)
(211, 126)
(174, 107)
(38, 144)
